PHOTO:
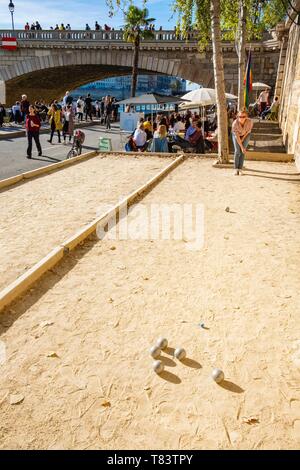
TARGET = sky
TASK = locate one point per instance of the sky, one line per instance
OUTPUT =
(77, 13)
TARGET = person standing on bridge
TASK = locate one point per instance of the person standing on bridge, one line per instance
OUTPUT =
(55, 122)
(33, 125)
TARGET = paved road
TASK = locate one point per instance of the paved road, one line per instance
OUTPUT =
(13, 159)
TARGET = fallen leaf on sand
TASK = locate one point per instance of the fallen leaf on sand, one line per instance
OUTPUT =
(106, 403)
(15, 399)
(52, 354)
(250, 420)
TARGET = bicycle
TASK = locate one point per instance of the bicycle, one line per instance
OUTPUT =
(76, 149)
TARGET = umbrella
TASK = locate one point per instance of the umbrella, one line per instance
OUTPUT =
(152, 98)
(259, 86)
(204, 97)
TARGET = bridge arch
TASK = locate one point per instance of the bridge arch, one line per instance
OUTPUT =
(51, 73)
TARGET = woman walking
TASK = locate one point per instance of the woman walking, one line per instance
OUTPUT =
(33, 124)
(79, 108)
(55, 122)
(241, 131)
(68, 127)
(108, 111)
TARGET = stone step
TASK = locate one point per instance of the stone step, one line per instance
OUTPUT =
(263, 130)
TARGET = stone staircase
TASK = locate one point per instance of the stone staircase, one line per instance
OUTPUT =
(267, 143)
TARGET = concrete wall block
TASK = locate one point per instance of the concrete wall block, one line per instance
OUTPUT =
(144, 62)
(109, 58)
(171, 66)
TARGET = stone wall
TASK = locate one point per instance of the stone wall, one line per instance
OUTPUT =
(289, 92)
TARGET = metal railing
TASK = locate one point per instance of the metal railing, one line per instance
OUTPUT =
(76, 35)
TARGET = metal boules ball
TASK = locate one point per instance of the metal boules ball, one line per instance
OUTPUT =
(180, 353)
(227, 209)
(218, 375)
(158, 367)
(162, 343)
(155, 352)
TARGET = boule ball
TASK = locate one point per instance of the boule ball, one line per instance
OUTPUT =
(158, 367)
(155, 352)
(162, 343)
(180, 353)
(218, 375)
(227, 209)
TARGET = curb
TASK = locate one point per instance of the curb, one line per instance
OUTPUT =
(26, 280)
(45, 169)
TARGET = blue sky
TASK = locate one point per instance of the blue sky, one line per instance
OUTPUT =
(77, 13)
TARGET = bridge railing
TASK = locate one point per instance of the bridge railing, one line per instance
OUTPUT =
(76, 35)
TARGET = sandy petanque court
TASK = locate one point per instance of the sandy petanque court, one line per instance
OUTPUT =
(78, 373)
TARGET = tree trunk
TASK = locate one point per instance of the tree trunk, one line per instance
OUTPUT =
(135, 66)
(241, 51)
(219, 82)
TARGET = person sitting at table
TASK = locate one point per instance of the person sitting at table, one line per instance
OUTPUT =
(179, 125)
(148, 128)
(191, 129)
(211, 140)
(196, 139)
(160, 141)
(272, 109)
(140, 137)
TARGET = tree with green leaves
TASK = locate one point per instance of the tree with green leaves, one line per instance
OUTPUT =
(246, 20)
(204, 16)
(136, 28)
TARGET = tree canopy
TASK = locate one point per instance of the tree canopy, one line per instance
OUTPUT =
(136, 25)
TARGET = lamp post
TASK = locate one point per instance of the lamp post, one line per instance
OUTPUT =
(11, 8)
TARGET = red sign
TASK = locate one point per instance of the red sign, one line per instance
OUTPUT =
(9, 44)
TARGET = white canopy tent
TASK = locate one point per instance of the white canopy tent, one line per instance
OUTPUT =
(202, 97)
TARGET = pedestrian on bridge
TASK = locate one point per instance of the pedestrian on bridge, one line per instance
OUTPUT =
(33, 125)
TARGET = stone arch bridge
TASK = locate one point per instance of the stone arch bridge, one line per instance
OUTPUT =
(47, 63)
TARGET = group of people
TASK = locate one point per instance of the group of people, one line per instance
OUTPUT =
(106, 109)
(35, 26)
(264, 106)
(184, 131)
(189, 132)
(60, 115)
